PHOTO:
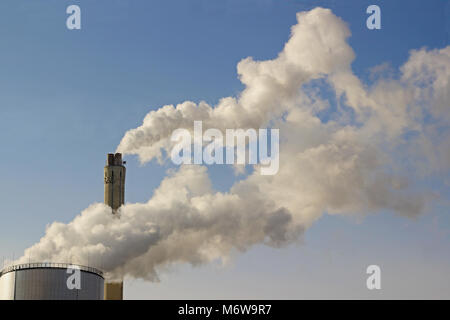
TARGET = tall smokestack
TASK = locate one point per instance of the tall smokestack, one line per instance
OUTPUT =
(114, 178)
(114, 181)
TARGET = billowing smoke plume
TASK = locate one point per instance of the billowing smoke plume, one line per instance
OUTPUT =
(345, 148)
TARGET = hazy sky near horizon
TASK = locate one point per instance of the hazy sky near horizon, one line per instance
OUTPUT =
(68, 97)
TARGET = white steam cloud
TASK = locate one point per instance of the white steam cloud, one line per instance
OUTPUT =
(369, 154)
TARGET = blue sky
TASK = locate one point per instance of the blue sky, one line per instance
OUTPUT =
(67, 98)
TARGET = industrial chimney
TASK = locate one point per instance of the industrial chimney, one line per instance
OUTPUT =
(114, 177)
(114, 181)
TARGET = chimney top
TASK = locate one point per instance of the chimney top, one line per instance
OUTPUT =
(114, 159)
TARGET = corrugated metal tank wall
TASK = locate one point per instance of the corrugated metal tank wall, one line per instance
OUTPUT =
(44, 282)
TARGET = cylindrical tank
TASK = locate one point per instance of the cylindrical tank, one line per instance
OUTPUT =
(51, 281)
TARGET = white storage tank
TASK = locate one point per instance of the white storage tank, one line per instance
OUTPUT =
(51, 281)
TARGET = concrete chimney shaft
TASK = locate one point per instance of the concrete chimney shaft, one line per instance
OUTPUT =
(114, 178)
